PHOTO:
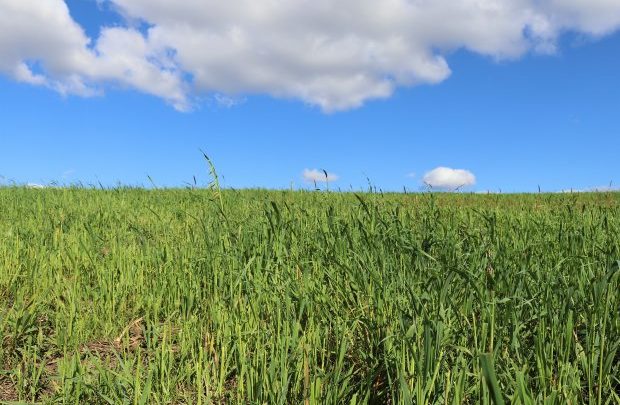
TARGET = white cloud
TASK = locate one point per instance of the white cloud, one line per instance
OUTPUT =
(40, 44)
(445, 178)
(604, 189)
(318, 176)
(335, 54)
(599, 189)
(35, 185)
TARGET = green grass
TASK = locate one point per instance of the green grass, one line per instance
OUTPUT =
(194, 296)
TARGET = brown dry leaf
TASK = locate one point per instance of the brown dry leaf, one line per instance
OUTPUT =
(134, 329)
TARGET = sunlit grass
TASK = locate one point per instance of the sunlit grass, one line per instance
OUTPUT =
(202, 296)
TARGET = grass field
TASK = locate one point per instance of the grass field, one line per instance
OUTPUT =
(268, 297)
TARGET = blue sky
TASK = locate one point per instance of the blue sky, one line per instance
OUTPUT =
(537, 119)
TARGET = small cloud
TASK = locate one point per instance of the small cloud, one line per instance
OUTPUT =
(603, 189)
(599, 189)
(318, 176)
(35, 185)
(445, 178)
(411, 175)
(68, 173)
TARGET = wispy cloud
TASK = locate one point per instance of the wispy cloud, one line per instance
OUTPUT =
(228, 101)
(598, 189)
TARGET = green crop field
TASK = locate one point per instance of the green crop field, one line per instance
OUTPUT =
(278, 297)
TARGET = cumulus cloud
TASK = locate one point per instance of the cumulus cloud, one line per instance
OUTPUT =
(41, 44)
(445, 178)
(318, 176)
(335, 54)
